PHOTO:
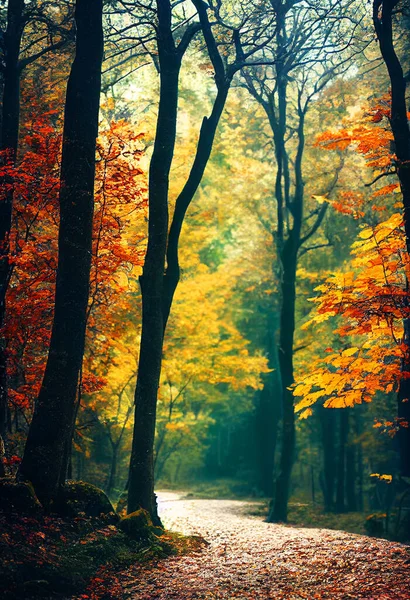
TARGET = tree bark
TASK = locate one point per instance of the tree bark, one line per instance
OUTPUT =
(141, 479)
(204, 148)
(288, 253)
(8, 147)
(286, 337)
(267, 420)
(352, 464)
(112, 478)
(51, 427)
(351, 471)
(341, 460)
(328, 431)
(157, 289)
(382, 20)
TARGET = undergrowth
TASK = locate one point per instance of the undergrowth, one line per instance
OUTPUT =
(51, 557)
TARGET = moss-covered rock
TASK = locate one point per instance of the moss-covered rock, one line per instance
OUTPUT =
(18, 496)
(80, 499)
(137, 525)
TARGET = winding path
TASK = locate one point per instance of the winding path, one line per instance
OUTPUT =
(252, 560)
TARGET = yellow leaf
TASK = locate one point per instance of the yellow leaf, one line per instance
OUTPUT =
(306, 413)
(384, 477)
(350, 351)
(366, 234)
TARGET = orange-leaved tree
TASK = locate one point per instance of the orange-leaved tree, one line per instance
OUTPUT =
(371, 300)
(120, 207)
(368, 302)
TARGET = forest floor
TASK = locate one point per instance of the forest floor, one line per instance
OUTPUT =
(250, 559)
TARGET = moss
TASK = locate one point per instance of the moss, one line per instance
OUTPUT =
(18, 496)
(137, 525)
(49, 557)
(78, 498)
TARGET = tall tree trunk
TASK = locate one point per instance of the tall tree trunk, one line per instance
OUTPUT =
(286, 337)
(312, 483)
(328, 430)
(204, 148)
(403, 402)
(351, 475)
(358, 431)
(141, 479)
(382, 20)
(288, 253)
(8, 146)
(157, 289)
(51, 427)
(267, 420)
(268, 408)
(112, 479)
(341, 460)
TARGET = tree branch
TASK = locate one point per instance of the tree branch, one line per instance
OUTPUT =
(380, 176)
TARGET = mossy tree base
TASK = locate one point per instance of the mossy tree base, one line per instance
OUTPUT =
(138, 525)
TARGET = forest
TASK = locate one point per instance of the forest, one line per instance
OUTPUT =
(204, 299)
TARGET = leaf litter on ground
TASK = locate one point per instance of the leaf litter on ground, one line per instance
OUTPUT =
(249, 559)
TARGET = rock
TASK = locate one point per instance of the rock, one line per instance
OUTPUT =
(137, 525)
(81, 499)
(18, 496)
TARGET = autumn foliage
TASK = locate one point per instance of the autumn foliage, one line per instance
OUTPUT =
(367, 300)
(118, 248)
(368, 303)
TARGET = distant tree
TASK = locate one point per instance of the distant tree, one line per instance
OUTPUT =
(307, 51)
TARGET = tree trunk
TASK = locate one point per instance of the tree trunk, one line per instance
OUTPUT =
(268, 411)
(51, 427)
(382, 21)
(204, 148)
(312, 484)
(157, 289)
(351, 467)
(288, 252)
(341, 460)
(358, 430)
(287, 331)
(141, 479)
(328, 431)
(112, 479)
(267, 420)
(403, 405)
(8, 147)
(351, 473)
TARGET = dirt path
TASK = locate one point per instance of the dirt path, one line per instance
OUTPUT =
(250, 559)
